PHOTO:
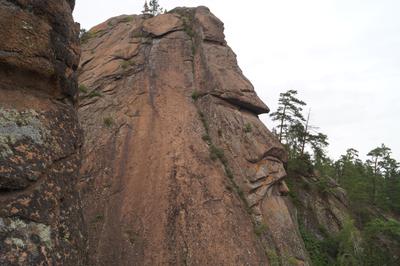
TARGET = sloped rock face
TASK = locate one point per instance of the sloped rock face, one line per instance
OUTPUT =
(178, 169)
(322, 209)
(40, 214)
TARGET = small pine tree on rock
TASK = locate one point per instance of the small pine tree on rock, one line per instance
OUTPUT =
(288, 113)
(146, 9)
(155, 8)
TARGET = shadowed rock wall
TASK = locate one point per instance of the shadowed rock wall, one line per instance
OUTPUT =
(40, 139)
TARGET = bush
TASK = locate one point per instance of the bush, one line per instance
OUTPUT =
(390, 228)
(273, 258)
(300, 166)
(108, 122)
(260, 229)
(195, 95)
(204, 121)
(85, 36)
(93, 94)
(216, 153)
(126, 64)
(82, 88)
(126, 19)
(350, 249)
(381, 238)
(248, 128)
(206, 138)
(314, 247)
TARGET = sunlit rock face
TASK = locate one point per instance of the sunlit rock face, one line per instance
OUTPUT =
(40, 213)
(178, 168)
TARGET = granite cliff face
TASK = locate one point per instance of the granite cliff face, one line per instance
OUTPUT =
(173, 165)
(178, 169)
(40, 139)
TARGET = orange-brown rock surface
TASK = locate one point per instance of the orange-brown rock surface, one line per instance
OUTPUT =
(178, 169)
(40, 214)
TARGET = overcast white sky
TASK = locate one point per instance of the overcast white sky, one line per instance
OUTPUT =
(343, 57)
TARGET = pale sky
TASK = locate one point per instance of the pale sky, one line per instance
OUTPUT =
(342, 56)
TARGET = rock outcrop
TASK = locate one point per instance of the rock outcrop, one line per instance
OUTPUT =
(174, 166)
(40, 139)
(178, 169)
(320, 203)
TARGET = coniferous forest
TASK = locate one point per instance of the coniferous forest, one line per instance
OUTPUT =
(371, 232)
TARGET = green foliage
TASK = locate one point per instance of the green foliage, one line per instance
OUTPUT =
(295, 131)
(195, 95)
(388, 227)
(260, 229)
(376, 232)
(93, 94)
(204, 121)
(138, 34)
(108, 122)
(248, 128)
(323, 186)
(193, 53)
(85, 36)
(350, 250)
(300, 166)
(82, 88)
(216, 153)
(273, 258)
(292, 261)
(189, 31)
(372, 189)
(126, 19)
(317, 249)
(127, 63)
(99, 217)
(228, 172)
(288, 112)
(152, 8)
(206, 138)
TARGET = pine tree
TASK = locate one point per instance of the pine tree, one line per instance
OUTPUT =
(316, 140)
(288, 112)
(146, 9)
(318, 144)
(376, 163)
(155, 8)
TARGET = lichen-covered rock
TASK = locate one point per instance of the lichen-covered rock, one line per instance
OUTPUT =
(321, 204)
(178, 169)
(40, 138)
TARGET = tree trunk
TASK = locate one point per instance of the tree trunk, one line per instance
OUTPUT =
(305, 135)
(374, 181)
(281, 127)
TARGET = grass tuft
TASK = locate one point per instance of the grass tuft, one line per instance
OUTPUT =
(248, 128)
(82, 88)
(108, 122)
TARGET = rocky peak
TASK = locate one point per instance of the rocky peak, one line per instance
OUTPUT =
(173, 166)
(178, 168)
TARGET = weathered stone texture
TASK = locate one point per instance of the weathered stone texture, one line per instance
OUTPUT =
(40, 138)
(178, 169)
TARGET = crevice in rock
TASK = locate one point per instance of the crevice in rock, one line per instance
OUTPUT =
(211, 41)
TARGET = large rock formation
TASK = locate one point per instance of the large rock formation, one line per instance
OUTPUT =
(178, 169)
(40, 215)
